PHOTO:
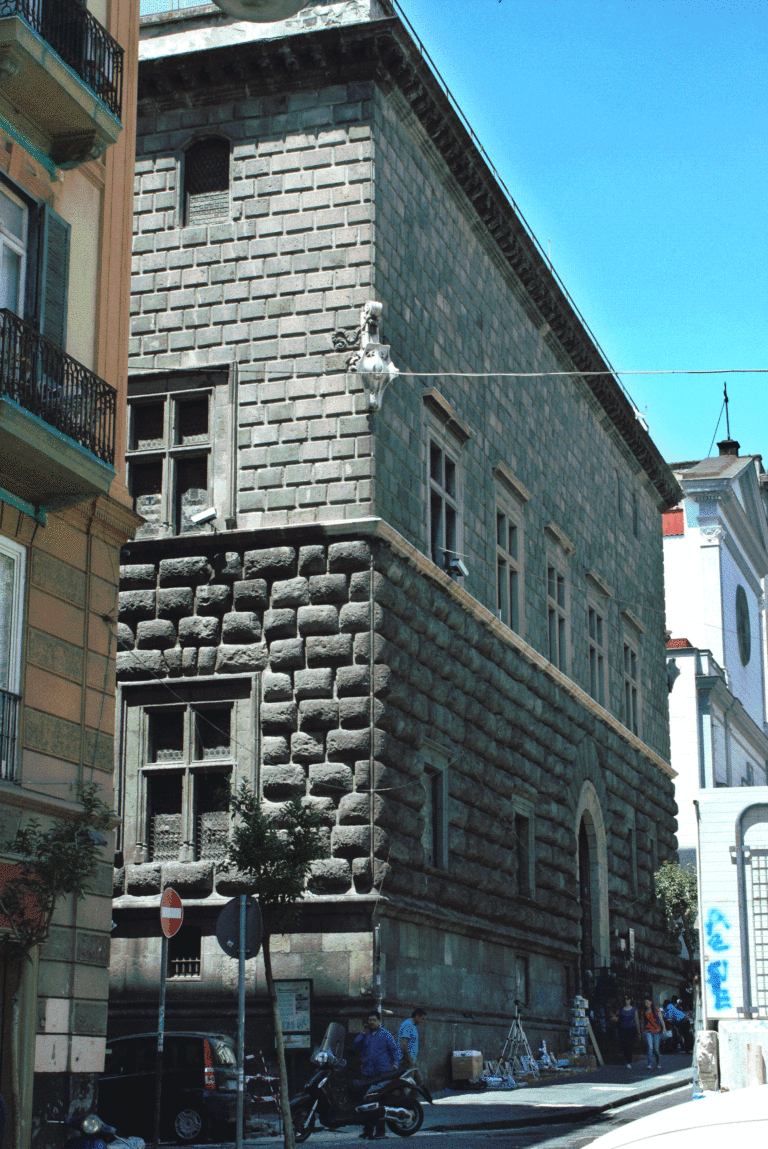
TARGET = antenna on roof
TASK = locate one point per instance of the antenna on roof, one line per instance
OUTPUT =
(727, 420)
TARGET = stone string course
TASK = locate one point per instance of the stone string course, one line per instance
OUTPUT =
(301, 617)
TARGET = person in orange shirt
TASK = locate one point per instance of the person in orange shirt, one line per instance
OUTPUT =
(650, 1025)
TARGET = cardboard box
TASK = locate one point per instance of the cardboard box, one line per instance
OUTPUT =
(466, 1064)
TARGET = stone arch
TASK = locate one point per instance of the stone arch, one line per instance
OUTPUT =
(592, 851)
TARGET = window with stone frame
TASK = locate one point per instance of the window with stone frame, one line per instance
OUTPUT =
(631, 683)
(171, 450)
(524, 849)
(445, 533)
(188, 763)
(597, 643)
(184, 750)
(434, 838)
(510, 589)
(206, 181)
(558, 607)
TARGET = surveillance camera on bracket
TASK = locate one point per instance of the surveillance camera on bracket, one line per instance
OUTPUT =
(457, 567)
(204, 516)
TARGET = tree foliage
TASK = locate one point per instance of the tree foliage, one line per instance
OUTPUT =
(677, 895)
(275, 854)
(50, 864)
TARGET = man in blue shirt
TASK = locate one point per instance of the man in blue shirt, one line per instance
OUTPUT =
(408, 1038)
(378, 1055)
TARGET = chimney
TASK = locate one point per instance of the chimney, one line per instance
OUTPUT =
(728, 447)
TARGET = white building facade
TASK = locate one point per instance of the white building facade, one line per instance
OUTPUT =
(715, 563)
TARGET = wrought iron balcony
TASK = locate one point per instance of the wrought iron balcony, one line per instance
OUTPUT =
(79, 39)
(62, 80)
(55, 387)
(66, 399)
(9, 724)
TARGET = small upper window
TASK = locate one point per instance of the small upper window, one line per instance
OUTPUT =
(206, 181)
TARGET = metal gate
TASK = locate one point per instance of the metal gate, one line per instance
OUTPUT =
(758, 927)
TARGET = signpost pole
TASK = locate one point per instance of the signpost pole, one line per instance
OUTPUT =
(160, 1037)
(241, 1024)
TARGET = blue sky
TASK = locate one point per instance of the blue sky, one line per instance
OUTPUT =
(633, 135)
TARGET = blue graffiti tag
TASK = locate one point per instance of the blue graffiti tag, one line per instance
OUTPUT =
(717, 974)
(715, 939)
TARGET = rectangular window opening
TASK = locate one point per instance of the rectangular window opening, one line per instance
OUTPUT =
(211, 816)
(523, 851)
(192, 421)
(184, 959)
(165, 796)
(166, 736)
(191, 491)
(147, 426)
(212, 733)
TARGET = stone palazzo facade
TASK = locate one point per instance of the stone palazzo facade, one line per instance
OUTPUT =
(441, 622)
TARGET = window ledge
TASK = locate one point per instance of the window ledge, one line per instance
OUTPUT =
(448, 415)
(560, 538)
(518, 489)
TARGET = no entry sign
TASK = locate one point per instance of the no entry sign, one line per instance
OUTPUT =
(171, 913)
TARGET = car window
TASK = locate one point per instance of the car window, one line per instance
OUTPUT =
(119, 1058)
(183, 1053)
(223, 1053)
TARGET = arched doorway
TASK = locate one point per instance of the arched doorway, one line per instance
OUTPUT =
(585, 900)
(592, 873)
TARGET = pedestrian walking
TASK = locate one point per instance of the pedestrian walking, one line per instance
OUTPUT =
(626, 1030)
(651, 1025)
(408, 1040)
(378, 1056)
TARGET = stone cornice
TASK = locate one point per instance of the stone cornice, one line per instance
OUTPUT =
(382, 51)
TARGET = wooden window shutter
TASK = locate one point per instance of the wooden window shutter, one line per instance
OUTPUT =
(54, 278)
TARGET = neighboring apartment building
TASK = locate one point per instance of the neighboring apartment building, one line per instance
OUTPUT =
(455, 600)
(67, 138)
(715, 564)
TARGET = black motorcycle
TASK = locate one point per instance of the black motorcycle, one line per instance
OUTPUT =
(328, 1098)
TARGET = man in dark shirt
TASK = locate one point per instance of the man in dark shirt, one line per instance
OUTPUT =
(378, 1055)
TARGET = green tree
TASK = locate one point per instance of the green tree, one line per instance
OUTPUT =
(48, 865)
(677, 894)
(275, 855)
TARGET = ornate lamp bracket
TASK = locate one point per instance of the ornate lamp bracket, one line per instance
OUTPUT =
(373, 361)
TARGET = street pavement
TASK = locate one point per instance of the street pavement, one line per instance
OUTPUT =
(562, 1099)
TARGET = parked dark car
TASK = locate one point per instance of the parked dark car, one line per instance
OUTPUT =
(199, 1091)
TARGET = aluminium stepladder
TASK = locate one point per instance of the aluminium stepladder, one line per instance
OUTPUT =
(516, 1050)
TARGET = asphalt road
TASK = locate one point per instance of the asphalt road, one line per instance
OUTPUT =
(556, 1136)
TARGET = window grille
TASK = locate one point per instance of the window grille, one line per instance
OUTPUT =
(166, 837)
(206, 181)
(212, 836)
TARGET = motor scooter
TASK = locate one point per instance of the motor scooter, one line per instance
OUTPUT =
(93, 1133)
(327, 1097)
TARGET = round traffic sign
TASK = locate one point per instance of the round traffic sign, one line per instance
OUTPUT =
(171, 913)
(228, 928)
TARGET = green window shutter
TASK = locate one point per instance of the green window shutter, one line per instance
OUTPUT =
(54, 277)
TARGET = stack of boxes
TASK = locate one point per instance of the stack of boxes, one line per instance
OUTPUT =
(579, 1031)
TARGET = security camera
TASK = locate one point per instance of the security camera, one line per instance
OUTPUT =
(204, 516)
(457, 567)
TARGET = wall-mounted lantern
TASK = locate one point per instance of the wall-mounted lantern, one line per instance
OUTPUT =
(261, 11)
(373, 360)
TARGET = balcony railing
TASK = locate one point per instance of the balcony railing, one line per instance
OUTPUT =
(52, 385)
(9, 723)
(79, 39)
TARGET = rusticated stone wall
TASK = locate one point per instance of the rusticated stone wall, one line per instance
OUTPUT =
(297, 612)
